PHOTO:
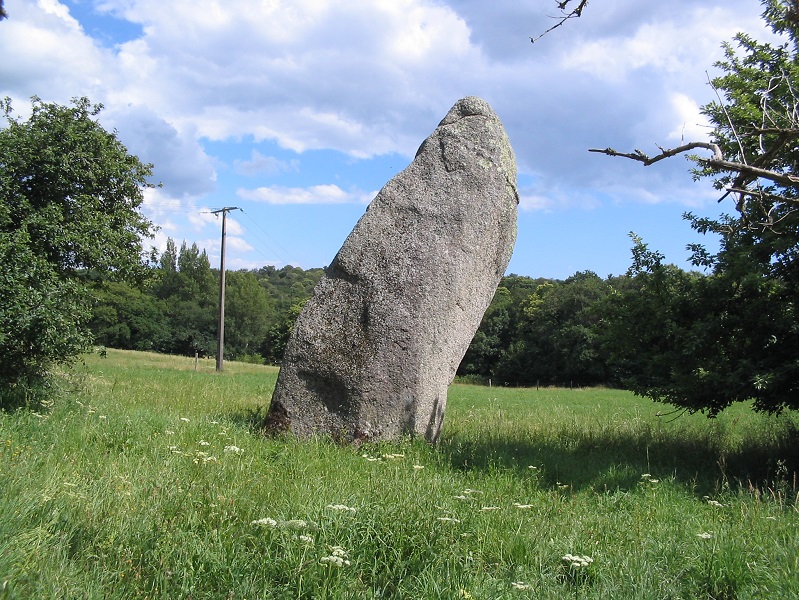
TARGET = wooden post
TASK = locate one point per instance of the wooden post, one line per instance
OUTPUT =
(220, 347)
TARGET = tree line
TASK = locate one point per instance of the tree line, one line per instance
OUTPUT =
(175, 309)
(700, 341)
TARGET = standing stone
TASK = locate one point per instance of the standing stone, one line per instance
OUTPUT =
(375, 349)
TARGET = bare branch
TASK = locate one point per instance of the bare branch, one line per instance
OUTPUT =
(647, 160)
(746, 172)
(575, 13)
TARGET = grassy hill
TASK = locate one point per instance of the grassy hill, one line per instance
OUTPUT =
(150, 480)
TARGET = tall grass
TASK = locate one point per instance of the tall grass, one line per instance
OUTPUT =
(150, 480)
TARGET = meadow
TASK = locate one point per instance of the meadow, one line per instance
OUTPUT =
(148, 478)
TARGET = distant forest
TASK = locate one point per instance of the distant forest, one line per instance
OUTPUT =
(535, 332)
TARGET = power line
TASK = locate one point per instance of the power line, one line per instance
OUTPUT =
(286, 253)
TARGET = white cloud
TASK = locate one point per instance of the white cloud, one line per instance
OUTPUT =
(310, 74)
(181, 163)
(316, 194)
(691, 124)
(269, 165)
(45, 52)
(237, 243)
(686, 42)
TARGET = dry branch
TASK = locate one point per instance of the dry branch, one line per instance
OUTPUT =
(746, 172)
(573, 14)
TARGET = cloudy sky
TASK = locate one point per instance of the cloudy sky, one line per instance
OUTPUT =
(299, 111)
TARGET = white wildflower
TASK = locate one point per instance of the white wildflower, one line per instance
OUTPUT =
(294, 524)
(489, 508)
(418, 467)
(233, 450)
(265, 522)
(393, 456)
(517, 505)
(169, 432)
(338, 557)
(520, 585)
(715, 503)
(103, 417)
(305, 539)
(341, 507)
(184, 419)
(449, 520)
(203, 443)
(575, 561)
(203, 457)
(704, 535)
(334, 561)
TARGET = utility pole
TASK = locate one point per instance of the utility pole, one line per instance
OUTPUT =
(221, 331)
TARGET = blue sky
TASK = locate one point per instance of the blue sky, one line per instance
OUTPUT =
(299, 111)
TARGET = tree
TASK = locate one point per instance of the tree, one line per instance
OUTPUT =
(248, 313)
(42, 319)
(701, 342)
(188, 289)
(557, 343)
(125, 317)
(69, 202)
(742, 339)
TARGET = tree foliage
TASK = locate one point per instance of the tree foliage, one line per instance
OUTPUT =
(731, 336)
(69, 200)
(175, 309)
(73, 188)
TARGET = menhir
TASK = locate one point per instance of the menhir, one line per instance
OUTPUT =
(375, 349)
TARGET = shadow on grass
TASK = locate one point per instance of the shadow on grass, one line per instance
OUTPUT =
(616, 461)
(250, 418)
(704, 460)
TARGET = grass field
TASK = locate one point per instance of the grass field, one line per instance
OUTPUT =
(149, 480)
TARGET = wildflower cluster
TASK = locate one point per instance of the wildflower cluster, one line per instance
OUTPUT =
(520, 585)
(448, 519)
(341, 507)
(338, 558)
(382, 457)
(290, 524)
(575, 561)
(203, 458)
(647, 478)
